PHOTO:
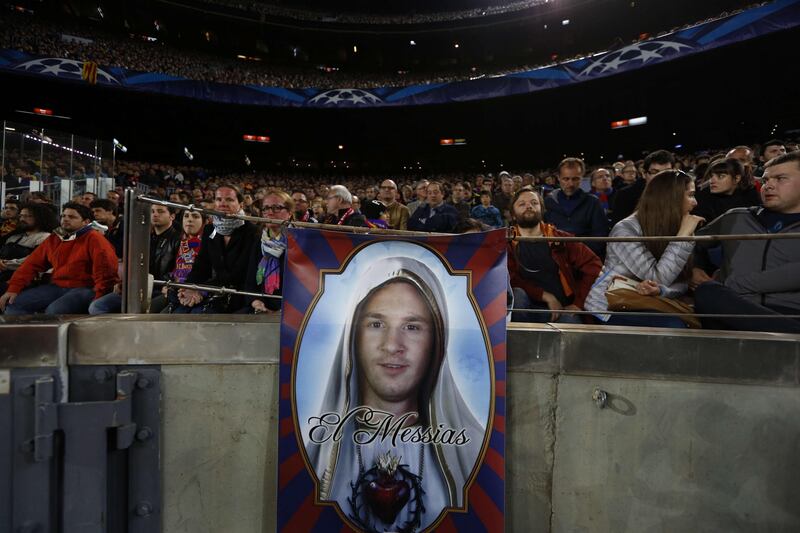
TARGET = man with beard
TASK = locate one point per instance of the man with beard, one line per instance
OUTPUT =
(547, 275)
(302, 212)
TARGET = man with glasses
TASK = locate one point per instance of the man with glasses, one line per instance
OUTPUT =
(756, 277)
(627, 198)
(398, 213)
(302, 212)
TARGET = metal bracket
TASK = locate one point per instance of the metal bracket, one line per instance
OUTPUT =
(600, 398)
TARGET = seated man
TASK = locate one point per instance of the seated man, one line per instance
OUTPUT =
(434, 215)
(223, 259)
(341, 211)
(84, 268)
(36, 221)
(572, 210)
(106, 212)
(547, 275)
(758, 277)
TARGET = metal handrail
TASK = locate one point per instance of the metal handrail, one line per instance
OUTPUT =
(211, 288)
(517, 238)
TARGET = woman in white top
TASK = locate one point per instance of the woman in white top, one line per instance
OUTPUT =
(661, 267)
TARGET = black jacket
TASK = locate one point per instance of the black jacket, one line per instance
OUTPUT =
(711, 206)
(625, 201)
(356, 219)
(444, 219)
(163, 251)
(225, 266)
(588, 219)
(116, 236)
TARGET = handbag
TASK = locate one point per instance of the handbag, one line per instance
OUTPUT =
(622, 296)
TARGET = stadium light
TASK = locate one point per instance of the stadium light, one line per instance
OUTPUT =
(412, 43)
(119, 146)
(188, 154)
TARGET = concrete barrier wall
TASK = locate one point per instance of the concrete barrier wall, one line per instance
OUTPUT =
(701, 432)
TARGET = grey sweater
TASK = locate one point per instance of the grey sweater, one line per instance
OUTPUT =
(765, 272)
(634, 260)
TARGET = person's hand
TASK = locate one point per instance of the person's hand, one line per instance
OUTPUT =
(6, 299)
(164, 290)
(2, 265)
(258, 306)
(648, 287)
(572, 307)
(553, 304)
(118, 288)
(689, 223)
(189, 297)
(698, 276)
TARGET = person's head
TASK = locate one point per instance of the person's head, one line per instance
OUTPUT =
(161, 217)
(395, 335)
(113, 196)
(277, 205)
(470, 225)
(88, 198)
(628, 173)
(228, 199)
(601, 180)
(486, 198)
(458, 192)
(192, 223)
(338, 198)
(104, 211)
(197, 195)
(175, 197)
(527, 208)
(388, 192)
(507, 184)
(371, 192)
(435, 194)
(743, 154)
(37, 217)
(725, 176)
(356, 205)
(318, 206)
(570, 173)
(74, 216)
(656, 162)
(10, 210)
(300, 202)
(772, 149)
(527, 180)
(781, 184)
(375, 210)
(39, 197)
(517, 181)
(666, 199)
(421, 190)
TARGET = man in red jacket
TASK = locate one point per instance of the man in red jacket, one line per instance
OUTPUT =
(84, 268)
(547, 275)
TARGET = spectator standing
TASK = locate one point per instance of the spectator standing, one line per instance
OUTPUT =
(547, 275)
(661, 268)
(572, 210)
(758, 277)
(83, 263)
(435, 215)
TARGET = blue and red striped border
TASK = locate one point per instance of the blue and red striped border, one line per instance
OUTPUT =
(310, 251)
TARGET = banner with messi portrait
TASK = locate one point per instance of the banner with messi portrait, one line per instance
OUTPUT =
(392, 406)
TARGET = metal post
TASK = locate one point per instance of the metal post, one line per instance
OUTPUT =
(136, 254)
(71, 153)
(41, 156)
(3, 169)
(67, 191)
(114, 164)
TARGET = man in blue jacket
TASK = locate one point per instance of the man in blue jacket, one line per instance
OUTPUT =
(573, 210)
(435, 215)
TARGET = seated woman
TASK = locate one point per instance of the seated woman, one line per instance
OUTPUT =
(192, 223)
(662, 268)
(726, 185)
(265, 274)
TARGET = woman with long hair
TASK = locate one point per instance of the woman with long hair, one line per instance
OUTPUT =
(265, 274)
(192, 223)
(660, 268)
(726, 185)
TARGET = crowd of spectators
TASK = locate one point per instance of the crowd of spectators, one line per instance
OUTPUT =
(735, 191)
(82, 43)
(306, 14)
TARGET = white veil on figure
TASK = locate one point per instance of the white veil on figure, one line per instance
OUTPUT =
(440, 403)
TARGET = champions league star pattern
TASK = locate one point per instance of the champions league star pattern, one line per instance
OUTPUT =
(774, 16)
(313, 251)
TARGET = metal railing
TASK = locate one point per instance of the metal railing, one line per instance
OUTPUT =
(137, 229)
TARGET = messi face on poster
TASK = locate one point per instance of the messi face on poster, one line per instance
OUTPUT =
(393, 388)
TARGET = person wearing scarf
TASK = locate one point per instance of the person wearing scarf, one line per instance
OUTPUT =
(265, 274)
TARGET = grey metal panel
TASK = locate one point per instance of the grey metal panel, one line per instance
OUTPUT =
(675, 456)
(173, 339)
(32, 341)
(220, 448)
